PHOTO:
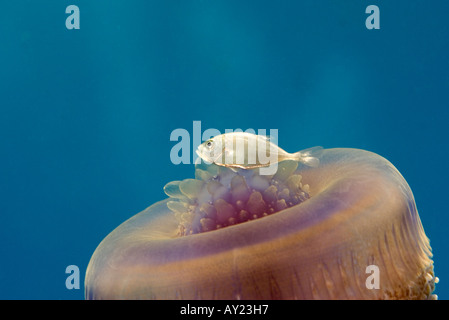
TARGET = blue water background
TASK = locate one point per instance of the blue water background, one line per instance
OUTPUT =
(86, 115)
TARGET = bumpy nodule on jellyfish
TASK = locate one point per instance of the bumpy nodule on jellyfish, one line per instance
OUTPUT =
(242, 193)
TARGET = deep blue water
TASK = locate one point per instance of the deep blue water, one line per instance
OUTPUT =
(86, 115)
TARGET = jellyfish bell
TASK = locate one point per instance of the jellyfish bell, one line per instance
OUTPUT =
(302, 233)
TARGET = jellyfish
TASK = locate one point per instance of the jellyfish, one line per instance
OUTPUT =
(301, 233)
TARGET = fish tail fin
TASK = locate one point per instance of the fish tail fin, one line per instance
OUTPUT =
(306, 157)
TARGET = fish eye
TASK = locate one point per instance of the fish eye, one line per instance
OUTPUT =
(209, 144)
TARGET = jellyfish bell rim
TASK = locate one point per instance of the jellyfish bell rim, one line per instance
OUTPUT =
(305, 237)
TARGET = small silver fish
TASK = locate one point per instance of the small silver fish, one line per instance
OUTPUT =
(244, 150)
